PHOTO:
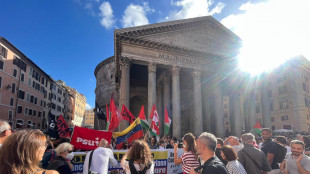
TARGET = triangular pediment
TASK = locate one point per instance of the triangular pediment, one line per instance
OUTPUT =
(203, 34)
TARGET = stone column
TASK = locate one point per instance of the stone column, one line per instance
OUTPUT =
(176, 112)
(159, 107)
(235, 107)
(265, 101)
(198, 122)
(151, 86)
(125, 83)
(252, 111)
(219, 113)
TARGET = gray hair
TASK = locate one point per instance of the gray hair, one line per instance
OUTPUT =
(4, 126)
(248, 138)
(209, 140)
(63, 147)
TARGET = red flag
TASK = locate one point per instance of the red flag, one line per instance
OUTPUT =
(155, 122)
(62, 127)
(142, 118)
(127, 115)
(116, 117)
(88, 139)
(257, 125)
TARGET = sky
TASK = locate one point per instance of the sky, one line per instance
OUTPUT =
(69, 38)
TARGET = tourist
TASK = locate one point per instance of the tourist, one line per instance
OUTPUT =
(101, 158)
(189, 158)
(205, 147)
(233, 165)
(253, 160)
(62, 162)
(153, 143)
(138, 158)
(22, 152)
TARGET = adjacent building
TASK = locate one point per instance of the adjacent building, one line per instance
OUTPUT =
(79, 107)
(28, 94)
(89, 117)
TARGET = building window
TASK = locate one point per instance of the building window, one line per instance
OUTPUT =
(40, 114)
(35, 100)
(282, 90)
(284, 117)
(273, 128)
(10, 115)
(1, 64)
(59, 108)
(281, 79)
(22, 77)
(283, 104)
(14, 72)
(34, 113)
(3, 52)
(13, 88)
(19, 109)
(30, 112)
(26, 111)
(59, 99)
(21, 94)
(19, 124)
(29, 124)
(53, 106)
(29, 81)
(42, 81)
(39, 126)
(12, 102)
(0, 82)
(31, 99)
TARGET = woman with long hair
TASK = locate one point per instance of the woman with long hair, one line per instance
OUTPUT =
(233, 166)
(189, 158)
(22, 152)
(138, 158)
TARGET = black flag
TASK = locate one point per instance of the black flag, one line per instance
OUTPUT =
(100, 114)
(52, 126)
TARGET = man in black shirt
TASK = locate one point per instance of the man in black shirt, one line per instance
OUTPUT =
(205, 147)
(270, 148)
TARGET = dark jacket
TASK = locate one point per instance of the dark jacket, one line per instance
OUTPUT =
(60, 164)
(248, 153)
(212, 166)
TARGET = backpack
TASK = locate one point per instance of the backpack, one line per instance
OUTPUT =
(48, 156)
(280, 156)
(134, 171)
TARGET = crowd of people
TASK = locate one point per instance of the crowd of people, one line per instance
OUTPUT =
(31, 152)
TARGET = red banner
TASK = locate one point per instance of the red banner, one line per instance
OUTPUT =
(88, 139)
(62, 127)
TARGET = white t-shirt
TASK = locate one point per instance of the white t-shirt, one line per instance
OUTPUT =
(100, 161)
(125, 166)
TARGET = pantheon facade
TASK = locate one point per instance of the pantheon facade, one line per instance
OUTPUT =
(185, 65)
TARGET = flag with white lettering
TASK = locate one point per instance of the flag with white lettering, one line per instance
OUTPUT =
(88, 139)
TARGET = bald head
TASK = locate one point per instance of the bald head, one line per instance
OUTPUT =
(104, 143)
(234, 141)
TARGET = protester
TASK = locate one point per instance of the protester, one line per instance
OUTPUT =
(138, 158)
(5, 131)
(101, 158)
(153, 143)
(234, 143)
(172, 142)
(161, 145)
(189, 158)
(219, 145)
(166, 141)
(270, 148)
(253, 160)
(62, 162)
(283, 141)
(233, 166)
(205, 147)
(296, 161)
(22, 152)
(307, 145)
(125, 145)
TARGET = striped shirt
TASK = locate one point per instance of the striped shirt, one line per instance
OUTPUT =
(235, 167)
(188, 161)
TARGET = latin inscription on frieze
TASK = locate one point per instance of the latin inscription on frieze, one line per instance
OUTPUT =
(179, 59)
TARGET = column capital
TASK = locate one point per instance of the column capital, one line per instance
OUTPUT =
(196, 74)
(151, 67)
(125, 62)
(175, 70)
